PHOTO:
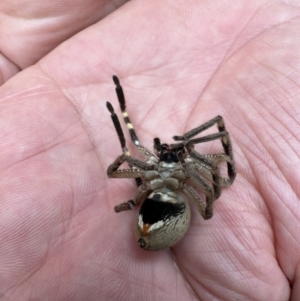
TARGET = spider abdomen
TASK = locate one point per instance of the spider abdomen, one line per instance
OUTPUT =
(163, 219)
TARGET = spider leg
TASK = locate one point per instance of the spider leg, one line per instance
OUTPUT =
(149, 157)
(113, 170)
(203, 186)
(142, 192)
(190, 134)
(121, 98)
(205, 210)
(121, 136)
(118, 128)
(208, 168)
(222, 135)
(202, 162)
(133, 135)
(227, 156)
(144, 189)
(218, 158)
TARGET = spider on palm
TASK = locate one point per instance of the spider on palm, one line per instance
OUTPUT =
(164, 179)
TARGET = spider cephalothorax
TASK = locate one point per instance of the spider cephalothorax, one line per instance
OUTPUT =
(167, 177)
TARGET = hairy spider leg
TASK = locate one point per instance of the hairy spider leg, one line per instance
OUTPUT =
(118, 128)
(149, 157)
(212, 191)
(121, 136)
(144, 189)
(136, 170)
(225, 140)
(122, 102)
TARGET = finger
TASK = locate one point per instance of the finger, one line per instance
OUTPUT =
(31, 29)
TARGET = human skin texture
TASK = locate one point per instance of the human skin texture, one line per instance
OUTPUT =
(181, 63)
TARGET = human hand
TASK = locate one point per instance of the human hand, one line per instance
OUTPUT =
(180, 64)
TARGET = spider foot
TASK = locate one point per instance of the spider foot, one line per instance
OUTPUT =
(125, 206)
(208, 213)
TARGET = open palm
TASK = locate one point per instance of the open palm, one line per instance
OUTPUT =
(181, 63)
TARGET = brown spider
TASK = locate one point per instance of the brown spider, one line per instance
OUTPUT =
(162, 179)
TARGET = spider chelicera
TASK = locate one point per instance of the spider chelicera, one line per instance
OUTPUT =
(168, 177)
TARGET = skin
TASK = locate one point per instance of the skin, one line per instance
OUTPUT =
(180, 64)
